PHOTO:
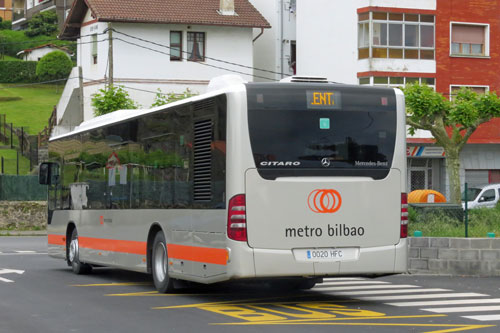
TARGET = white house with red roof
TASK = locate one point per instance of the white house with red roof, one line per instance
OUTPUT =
(144, 46)
(36, 53)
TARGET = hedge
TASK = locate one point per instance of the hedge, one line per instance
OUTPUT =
(17, 71)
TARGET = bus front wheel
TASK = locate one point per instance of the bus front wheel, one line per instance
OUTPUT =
(74, 256)
(162, 281)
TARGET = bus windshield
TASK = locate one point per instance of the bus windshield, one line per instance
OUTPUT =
(323, 130)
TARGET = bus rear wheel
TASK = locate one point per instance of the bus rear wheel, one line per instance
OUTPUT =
(162, 281)
(74, 256)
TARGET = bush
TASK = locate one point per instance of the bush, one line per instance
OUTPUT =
(162, 99)
(5, 25)
(54, 66)
(112, 99)
(43, 23)
(18, 71)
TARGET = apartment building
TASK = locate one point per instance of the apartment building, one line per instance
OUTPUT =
(6, 10)
(23, 11)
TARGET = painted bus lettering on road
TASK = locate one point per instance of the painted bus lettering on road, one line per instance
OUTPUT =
(267, 313)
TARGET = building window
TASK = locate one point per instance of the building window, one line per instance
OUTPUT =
(396, 81)
(94, 49)
(293, 57)
(420, 173)
(395, 35)
(196, 46)
(477, 89)
(2, 4)
(468, 40)
(175, 45)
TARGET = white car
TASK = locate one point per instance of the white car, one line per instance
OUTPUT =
(485, 196)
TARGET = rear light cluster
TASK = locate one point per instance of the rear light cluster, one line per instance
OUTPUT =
(237, 218)
(404, 215)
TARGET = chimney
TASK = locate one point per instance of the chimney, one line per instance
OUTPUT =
(227, 7)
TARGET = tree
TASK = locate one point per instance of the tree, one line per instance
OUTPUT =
(42, 23)
(54, 66)
(162, 99)
(451, 123)
(111, 99)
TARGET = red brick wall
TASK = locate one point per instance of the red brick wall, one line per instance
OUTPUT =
(467, 71)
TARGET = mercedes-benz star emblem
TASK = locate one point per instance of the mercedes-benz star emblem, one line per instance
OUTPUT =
(325, 162)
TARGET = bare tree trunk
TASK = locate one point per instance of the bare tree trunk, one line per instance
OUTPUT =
(453, 169)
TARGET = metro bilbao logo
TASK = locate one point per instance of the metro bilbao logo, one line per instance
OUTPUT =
(324, 201)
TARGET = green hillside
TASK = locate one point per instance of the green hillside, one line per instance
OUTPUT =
(29, 106)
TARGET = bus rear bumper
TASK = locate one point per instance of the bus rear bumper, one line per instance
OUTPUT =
(376, 260)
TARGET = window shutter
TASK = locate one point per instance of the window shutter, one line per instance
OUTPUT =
(469, 34)
(94, 45)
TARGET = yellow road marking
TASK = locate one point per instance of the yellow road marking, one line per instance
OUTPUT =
(113, 284)
(244, 302)
(320, 321)
(154, 294)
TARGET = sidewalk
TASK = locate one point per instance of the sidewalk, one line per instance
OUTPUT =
(23, 233)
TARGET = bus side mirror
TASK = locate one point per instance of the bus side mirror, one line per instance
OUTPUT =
(48, 173)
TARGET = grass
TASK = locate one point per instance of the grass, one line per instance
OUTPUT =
(34, 107)
(10, 162)
(481, 222)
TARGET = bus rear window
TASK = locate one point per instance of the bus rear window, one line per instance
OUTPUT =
(328, 130)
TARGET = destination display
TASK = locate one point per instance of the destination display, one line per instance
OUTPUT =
(324, 100)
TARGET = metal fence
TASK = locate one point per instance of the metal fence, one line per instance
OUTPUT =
(21, 188)
(449, 220)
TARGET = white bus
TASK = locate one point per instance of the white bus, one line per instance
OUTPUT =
(290, 181)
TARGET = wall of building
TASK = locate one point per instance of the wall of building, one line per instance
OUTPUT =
(272, 50)
(467, 70)
(138, 67)
(37, 54)
(327, 33)
(327, 39)
(6, 11)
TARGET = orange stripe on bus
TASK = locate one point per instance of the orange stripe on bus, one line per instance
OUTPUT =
(175, 251)
(199, 254)
(56, 240)
(113, 245)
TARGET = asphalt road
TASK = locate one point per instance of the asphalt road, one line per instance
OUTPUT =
(41, 294)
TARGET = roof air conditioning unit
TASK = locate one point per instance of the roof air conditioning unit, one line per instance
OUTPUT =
(313, 79)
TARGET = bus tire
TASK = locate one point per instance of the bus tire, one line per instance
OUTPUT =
(162, 281)
(74, 256)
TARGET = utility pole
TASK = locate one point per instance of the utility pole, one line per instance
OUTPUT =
(110, 54)
(80, 83)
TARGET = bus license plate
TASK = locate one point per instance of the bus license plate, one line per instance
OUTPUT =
(326, 254)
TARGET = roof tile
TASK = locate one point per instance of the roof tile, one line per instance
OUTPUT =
(177, 11)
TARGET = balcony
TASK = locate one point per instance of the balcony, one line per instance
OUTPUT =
(18, 10)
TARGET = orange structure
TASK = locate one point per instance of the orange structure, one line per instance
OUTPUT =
(425, 196)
